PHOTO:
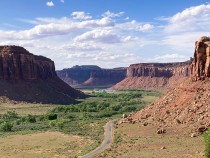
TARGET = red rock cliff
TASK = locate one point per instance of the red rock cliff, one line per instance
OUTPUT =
(155, 76)
(31, 78)
(17, 63)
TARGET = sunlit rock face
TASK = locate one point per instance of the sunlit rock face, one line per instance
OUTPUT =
(201, 63)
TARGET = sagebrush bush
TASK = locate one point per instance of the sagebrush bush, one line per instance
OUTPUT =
(207, 144)
(10, 115)
(31, 118)
(6, 126)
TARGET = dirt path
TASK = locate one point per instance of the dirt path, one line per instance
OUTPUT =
(106, 143)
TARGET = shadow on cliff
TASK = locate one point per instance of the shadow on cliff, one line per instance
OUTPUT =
(49, 91)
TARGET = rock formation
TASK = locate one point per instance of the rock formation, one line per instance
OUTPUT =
(156, 76)
(16, 63)
(200, 66)
(31, 78)
(91, 76)
(188, 104)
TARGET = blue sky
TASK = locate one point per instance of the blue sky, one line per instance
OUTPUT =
(108, 33)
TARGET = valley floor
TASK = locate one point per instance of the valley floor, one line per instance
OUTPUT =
(135, 141)
(28, 130)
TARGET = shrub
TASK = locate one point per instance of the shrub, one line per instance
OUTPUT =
(207, 144)
(10, 115)
(6, 126)
(52, 123)
(31, 118)
(51, 116)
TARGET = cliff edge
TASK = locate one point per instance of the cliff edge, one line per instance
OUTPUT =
(31, 78)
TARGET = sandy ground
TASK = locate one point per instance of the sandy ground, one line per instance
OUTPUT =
(41, 145)
(143, 142)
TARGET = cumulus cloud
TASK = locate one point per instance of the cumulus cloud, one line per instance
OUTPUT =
(133, 25)
(103, 36)
(112, 15)
(80, 15)
(50, 4)
(145, 27)
(99, 35)
(191, 19)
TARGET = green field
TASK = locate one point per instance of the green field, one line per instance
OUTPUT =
(86, 119)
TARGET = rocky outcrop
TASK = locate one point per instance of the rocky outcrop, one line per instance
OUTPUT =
(91, 76)
(201, 64)
(31, 78)
(156, 76)
(185, 106)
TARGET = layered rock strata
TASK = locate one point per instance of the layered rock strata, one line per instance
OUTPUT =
(31, 78)
(156, 76)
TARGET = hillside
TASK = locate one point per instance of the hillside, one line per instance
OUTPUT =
(187, 105)
(31, 78)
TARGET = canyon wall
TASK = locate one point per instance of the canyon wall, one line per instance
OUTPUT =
(31, 78)
(91, 76)
(155, 76)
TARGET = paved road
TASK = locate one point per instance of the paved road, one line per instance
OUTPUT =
(106, 143)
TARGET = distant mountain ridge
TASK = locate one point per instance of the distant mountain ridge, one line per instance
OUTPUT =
(91, 76)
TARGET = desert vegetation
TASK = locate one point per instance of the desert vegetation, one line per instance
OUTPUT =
(86, 119)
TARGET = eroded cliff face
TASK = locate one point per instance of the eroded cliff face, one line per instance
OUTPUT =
(157, 76)
(90, 76)
(16, 63)
(201, 63)
(31, 78)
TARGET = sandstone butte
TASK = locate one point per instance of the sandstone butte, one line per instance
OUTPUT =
(186, 106)
(91, 76)
(31, 78)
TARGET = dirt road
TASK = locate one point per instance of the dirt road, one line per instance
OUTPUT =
(106, 143)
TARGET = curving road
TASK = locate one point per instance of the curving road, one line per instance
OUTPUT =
(106, 143)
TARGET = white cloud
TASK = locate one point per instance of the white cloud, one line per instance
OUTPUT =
(99, 35)
(106, 36)
(82, 39)
(50, 4)
(191, 19)
(112, 15)
(135, 26)
(145, 27)
(80, 15)
(62, 1)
